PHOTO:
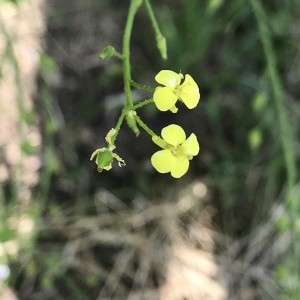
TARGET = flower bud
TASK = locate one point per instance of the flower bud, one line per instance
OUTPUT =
(104, 159)
(132, 123)
(108, 52)
(162, 46)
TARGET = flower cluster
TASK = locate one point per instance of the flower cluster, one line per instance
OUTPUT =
(176, 149)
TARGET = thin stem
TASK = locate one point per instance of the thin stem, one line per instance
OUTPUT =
(134, 5)
(142, 86)
(119, 123)
(160, 39)
(144, 126)
(152, 18)
(142, 103)
(119, 55)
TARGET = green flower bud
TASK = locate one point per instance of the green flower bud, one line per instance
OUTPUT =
(104, 159)
(162, 46)
(132, 123)
(108, 52)
(255, 138)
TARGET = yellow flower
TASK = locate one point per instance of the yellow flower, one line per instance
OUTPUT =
(166, 97)
(177, 151)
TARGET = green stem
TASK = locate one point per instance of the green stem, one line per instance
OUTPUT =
(119, 123)
(134, 5)
(160, 39)
(144, 126)
(142, 103)
(142, 86)
(152, 18)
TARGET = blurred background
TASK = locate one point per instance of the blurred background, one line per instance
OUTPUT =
(227, 230)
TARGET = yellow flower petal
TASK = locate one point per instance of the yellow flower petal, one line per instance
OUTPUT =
(164, 98)
(191, 145)
(189, 92)
(163, 161)
(173, 134)
(168, 78)
(120, 160)
(181, 167)
(174, 109)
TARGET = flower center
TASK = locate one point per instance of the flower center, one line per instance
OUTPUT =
(176, 90)
(178, 151)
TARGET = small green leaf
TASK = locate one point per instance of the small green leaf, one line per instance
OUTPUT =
(259, 101)
(255, 138)
(108, 52)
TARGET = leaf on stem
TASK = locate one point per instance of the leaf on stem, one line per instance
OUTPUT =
(108, 52)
